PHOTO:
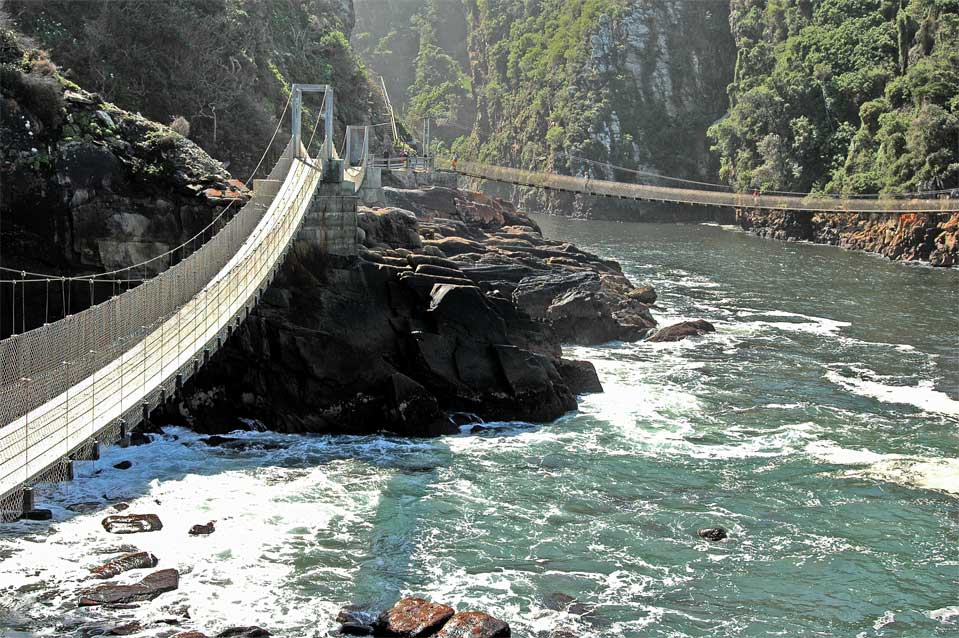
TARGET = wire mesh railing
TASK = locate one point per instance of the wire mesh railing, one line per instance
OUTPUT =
(646, 192)
(79, 378)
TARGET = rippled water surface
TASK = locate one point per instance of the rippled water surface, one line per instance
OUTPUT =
(820, 425)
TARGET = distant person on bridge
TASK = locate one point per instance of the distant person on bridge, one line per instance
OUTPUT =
(456, 156)
(756, 195)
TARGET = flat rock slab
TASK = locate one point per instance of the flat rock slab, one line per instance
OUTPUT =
(412, 617)
(86, 507)
(137, 560)
(132, 523)
(244, 632)
(474, 624)
(147, 589)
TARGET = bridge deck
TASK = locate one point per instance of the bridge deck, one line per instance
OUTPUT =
(142, 372)
(646, 192)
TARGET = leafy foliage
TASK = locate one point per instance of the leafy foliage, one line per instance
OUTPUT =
(843, 96)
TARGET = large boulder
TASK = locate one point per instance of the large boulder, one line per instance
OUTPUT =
(412, 617)
(474, 624)
(147, 589)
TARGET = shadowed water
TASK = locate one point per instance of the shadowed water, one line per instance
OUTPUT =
(819, 425)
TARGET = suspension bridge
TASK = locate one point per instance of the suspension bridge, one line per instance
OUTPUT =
(89, 378)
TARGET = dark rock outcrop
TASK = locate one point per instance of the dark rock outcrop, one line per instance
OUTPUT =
(132, 523)
(244, 632)
(147, 589)
(713, 533)
(907, 237)
(679, 331)
(203, 530)
(138, 560)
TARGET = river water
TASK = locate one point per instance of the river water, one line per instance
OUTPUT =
(819, 425)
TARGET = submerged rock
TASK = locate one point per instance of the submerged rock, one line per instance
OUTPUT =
(474, 624)
(679, 331)
(132, 523)
(123, 465)
(413, 617)
(138, 560)
(85, 508)
(147, 589)
(713, 533)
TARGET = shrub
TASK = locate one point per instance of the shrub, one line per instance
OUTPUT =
(180, 125)
(42, 95)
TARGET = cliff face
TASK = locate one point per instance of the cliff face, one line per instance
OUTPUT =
(224, 65)
(557, 82)
(86, 186)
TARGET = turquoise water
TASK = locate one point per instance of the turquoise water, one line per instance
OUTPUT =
(819, 425)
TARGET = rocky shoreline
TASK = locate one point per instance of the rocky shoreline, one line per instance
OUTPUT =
(454, 311)
(910, 237)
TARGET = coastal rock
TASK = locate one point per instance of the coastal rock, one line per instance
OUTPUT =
(123, 465)
(580, 376)
(132, 523)
(713, 533)
(203, 530)
(190, 634)
(147, 589)
(38, 515)
(244, 632)
(356, 629)
(127, 629)
(138, 560)
(645, 294)
(474, 624)
(85, 508)
(413, 617)
(679, 331)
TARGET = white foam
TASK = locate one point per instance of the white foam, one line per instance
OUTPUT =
(923, 395)
(911, 471)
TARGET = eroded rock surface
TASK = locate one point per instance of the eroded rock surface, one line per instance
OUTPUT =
(147, 589)
(413, 617)
(138, 560)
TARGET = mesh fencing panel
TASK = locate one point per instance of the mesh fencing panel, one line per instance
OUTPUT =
(80, 379)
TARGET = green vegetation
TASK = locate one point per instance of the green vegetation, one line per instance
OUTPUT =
(223, 65)
(852, 96)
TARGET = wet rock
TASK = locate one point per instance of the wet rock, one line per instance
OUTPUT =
(203, 530)
(559, 601)
(123, 465)
(121, 507)
(127, 629)
(85, 507)
(412, 617)
(190, 634)
(580, 376)
(244, 632)
(644, 294)
(218, 441)
(140, 438)
(452, 246)
(679, 331)
(356, 629)
(474, 624)
(138, 560)
(355, 615)
(713, 534)
(38, 515)
(147, 589)
(132, 523)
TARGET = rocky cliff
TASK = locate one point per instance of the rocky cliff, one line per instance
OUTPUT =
(555, 83)
(907, 237)
(453, 313)
(86, 186)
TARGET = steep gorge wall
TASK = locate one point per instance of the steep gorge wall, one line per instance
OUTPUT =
(224, 65)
